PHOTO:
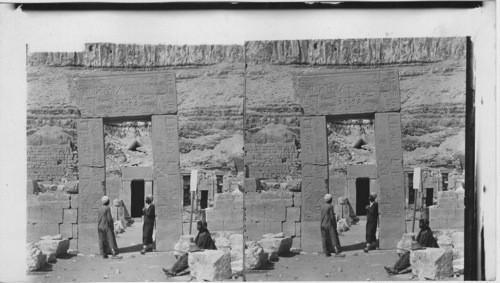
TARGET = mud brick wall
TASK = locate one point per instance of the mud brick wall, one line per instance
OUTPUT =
(270, 160)
(52, 214)
(47, 162)
(449, 213)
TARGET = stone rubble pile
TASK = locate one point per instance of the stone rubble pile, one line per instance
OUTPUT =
(211, 266)
(44, 251)
(436, 263)
(53, 246)
(432, 263)
(35, 259)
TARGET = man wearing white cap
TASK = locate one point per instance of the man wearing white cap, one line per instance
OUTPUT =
(107, 240)
(329, 235)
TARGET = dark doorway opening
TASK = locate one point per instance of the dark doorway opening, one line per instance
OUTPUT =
(429, 197)
(137, 198)
(362, 194)
(186, 183)
(204, 199)
(411, 190)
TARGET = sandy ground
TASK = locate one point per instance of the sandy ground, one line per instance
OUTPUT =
(356, 266)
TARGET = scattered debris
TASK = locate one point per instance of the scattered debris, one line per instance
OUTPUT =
(105, 276)
(327, 275)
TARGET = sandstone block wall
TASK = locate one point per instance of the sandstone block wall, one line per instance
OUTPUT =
(52, 214)
(227, 213)
(449, 213)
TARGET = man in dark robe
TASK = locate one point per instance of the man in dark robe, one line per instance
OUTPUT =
(329, 235)
(425, 239)
(105, 227)
(203, 241)
(148, 212)
(371, 222)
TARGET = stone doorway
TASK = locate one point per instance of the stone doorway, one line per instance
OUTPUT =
(362, 194)
(348, 95)
(137, 198)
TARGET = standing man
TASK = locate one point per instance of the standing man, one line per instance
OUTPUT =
(329, 235)
(148, 212)
(107, 240)
(371, 222)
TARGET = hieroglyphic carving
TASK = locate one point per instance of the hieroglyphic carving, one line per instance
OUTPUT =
(313, 140)
(389, 153)
(91, 168)
(270, 160)
(90, 142)
(125, 94)
(167, 176)
(360, 92)
(314, 166)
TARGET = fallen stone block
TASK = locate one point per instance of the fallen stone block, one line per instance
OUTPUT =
(210, 265)
(118, 227)
(53, 248)
(255, 257)
(280, 245)
(432, 263)
(404, 244)
(294, 185)
(342, 225)
(222, 243)
(458, 265)
(272, 255)
(35, 259)
(445, 242)
(182, 246)
(236, 241)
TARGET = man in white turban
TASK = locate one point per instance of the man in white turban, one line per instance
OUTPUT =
(329, 235)
(107, 240)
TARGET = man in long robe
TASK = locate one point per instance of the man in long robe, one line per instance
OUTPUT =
(371, 222)
(425, 239)
(203, 241)
(105, 227)
(329, 235)
(148, 212)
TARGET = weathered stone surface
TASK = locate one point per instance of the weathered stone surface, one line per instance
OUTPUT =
(35, 259)
(445, 242)
(70, 216)
(71, 187)
(236, 241)
(119, 227)
(210, 265)
(458, 245)
(432, 263)
(182, 246)
(355, 51)
(294, 185)
(272, 254)
(53, 248)
(280, 245)
(222, 241)
(255, 256)
(404, 244)
(458, 265)
(342, 225)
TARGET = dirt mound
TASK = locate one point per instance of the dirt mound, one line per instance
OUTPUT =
(49, 135)
(272, 133)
